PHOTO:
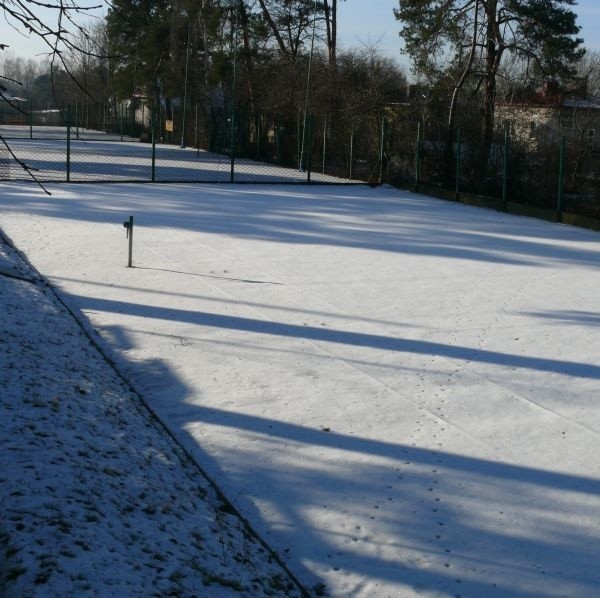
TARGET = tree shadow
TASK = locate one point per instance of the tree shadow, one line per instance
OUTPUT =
(584, 318)
(329, 335)
(353, 506)
(352, 511)
(384, 219)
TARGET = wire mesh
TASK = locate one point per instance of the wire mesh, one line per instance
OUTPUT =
(110, 142)
(128, 143)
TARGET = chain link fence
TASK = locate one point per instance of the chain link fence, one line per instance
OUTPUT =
(551, 172)
(108, 143)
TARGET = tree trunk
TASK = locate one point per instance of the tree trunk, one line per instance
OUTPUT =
(331, 27)
(247, 51)
(274, 30)
(492, 62)
(454, 101)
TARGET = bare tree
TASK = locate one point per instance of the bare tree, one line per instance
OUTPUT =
(61, 33)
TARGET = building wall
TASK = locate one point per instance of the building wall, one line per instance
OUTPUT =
(535, 126)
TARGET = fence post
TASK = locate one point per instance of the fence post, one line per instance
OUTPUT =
(381, 150)
(351, 149)
(505, 171)
(68, 119)
(196, 132)
(258, 137)
(153, 134)
(31, 118)
(278, 134)
(298, 149)
(172, 123)
(232, 145)
(76, 120)
(418, 156)
(310, 119)
(561, 176)
(458, 163)
(130, 119)
(324, 141)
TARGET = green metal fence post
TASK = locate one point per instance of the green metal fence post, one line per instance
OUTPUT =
(310, 119)
(458, 164)
(278, 134)
(68, 119)
(232, 146)
(418, 156)
(505, 171)
(31, 118)
(172, 123)
(298, 146)
(258, 132)
(76, 120)
(196, 132)
(351, 149)
(324, 141)
(561, 176)
(153, 133)
(381, 150)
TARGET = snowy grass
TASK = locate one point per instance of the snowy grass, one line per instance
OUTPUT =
(399, 393)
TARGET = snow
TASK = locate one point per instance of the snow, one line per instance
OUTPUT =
(97, 499)
(399, 393)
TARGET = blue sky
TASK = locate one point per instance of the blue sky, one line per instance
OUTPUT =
(361, 23)
(368, 21)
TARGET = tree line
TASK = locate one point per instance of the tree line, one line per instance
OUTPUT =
(282, 57)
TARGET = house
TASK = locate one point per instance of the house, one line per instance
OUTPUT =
(549, 115)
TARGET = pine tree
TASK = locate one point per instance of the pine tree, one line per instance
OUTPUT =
(473, 37)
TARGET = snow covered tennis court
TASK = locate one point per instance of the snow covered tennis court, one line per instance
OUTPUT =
(95, 156)
(401, 394)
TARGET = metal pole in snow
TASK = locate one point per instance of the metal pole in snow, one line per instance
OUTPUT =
(128, 224)
(381, 150)
(76, 120)
(561, 176)
(324, 141)
(153, 125)
(418, 156)
(196, 130)
(68, 144)
(458, 159)
(351, 149)
(505, 172)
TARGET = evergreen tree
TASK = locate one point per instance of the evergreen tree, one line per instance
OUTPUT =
(139, 43)
(473, 37)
